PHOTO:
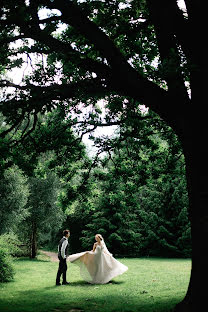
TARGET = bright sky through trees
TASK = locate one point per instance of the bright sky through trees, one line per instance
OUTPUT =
(17, 74)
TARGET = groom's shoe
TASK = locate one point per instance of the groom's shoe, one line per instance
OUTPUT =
(58, 284)
(65, 283)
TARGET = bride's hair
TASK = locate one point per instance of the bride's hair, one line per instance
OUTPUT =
(100, 236)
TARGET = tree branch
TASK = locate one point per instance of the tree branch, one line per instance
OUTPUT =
(124, 79)
(120, 76)
(164, 24)
(15, 124)
(56, 45)
(50, 19)
(62, 91)
(27, 125)
(32, 129)
(11, 39)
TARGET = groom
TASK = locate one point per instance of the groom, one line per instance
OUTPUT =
(62, 255)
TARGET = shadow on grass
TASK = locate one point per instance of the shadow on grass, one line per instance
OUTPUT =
(26, 259)
(48, 299)
(84, 284)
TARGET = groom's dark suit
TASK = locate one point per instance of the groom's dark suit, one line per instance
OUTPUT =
(62, 255)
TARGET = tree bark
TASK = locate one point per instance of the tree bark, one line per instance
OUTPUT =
(33, 247)
(196, 156)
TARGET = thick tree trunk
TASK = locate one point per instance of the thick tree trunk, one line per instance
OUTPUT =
(196, 155)
(33, 248)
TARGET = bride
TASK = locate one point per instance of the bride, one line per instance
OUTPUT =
(98, 266)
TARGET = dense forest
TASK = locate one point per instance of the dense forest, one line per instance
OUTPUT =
(132, 190)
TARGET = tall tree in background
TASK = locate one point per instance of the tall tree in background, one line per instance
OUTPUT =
(14, 193)
(109, 48)
(44, 212)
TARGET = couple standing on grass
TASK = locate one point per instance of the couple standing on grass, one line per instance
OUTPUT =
(97, 266)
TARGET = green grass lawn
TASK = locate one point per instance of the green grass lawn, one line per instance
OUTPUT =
(150, 284)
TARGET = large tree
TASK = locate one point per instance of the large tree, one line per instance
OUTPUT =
(109, 49)
(14, 193)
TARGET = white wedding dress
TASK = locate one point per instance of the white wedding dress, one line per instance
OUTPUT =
(98, 267)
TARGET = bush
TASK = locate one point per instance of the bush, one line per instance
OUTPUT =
(9, 247)
(13, 245)
(6, 267)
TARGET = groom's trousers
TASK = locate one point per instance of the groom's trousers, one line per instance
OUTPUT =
(61, 270)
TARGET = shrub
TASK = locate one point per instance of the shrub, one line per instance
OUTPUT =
(6, 267)
(13, 245)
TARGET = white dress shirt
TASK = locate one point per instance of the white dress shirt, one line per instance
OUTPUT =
(63, 247)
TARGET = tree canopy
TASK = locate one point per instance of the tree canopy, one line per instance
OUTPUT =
(95, 49)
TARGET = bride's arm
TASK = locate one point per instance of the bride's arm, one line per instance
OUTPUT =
(94, 247)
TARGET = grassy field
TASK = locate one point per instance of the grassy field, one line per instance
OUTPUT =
(150, 285)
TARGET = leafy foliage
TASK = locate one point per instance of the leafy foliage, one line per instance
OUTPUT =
(14, 195)
(83, 51)
(6, 265)
(11, 244)
(6, 272)
(137, 195)
(46, 157)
